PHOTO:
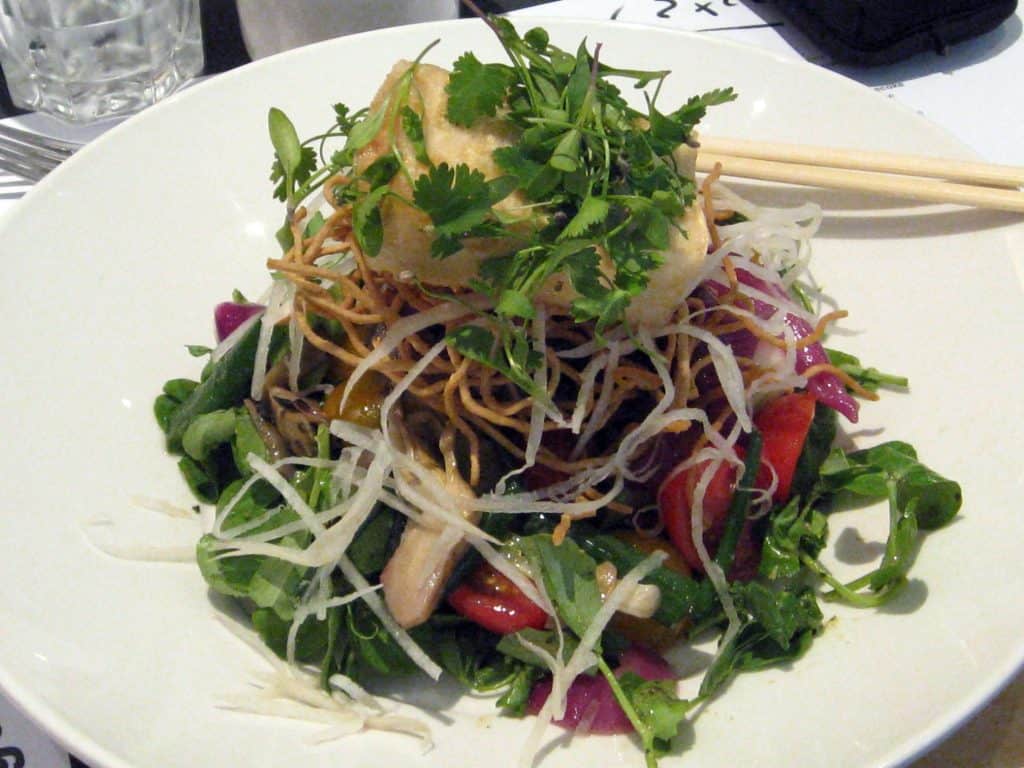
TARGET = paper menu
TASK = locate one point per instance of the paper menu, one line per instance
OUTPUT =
(973, 91)
(23, 745)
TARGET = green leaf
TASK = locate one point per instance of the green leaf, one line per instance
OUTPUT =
(246, 441)
(566, 157)
(412, 125)
(476, 90)
(778, 626)
(739, 506)
(681, 596)
(658, 707)
(363, 132)
(794, 530)
(817, 447)
(286, 143)
(515, 304)
(367, 224)
(569, 579)
(592, 212)
(546, 639)
(515, 699)
(454, 198)
(207, 432)
(871, 379)
(918, 497)
(480, 344)
(381, 171)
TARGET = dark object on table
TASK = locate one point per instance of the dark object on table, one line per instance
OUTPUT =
(874, 32)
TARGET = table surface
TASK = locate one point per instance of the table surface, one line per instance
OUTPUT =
(964, 91)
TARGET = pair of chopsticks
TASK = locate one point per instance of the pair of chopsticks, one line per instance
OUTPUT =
(980, 185)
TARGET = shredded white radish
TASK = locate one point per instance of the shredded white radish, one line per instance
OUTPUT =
(406, 643)
(235, 336)
(279, 306)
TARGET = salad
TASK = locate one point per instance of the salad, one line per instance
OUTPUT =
(526, 405)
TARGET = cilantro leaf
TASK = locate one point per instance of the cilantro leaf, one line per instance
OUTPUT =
(450, 195)
(514, 360)
(569, 579)
(593, 211)
(476, 90)
(367, 225)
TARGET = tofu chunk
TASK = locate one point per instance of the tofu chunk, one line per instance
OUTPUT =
(407, 236)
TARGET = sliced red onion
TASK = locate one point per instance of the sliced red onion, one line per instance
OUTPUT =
(826, 387)
(646, 663)
(590, 702)
(228, 315)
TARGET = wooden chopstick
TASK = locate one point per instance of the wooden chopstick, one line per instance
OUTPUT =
(967, 171)
(872, 182)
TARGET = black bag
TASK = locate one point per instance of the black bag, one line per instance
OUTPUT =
(871, 32)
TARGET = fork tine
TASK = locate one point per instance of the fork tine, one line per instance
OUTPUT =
(29, 155)
(22, 169)
(37, 140)
(31, 151)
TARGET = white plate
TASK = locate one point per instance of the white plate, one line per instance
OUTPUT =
(114, 262)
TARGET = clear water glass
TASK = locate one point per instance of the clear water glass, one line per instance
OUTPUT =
(84, 60)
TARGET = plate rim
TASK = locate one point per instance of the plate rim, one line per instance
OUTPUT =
(78, 742)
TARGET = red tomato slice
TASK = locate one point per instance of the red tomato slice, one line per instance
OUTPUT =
(674, 502)
(783, 424)
(491, 600)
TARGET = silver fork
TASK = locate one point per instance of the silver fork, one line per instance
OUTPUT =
(31, 156)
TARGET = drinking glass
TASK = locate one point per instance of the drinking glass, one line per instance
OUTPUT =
(271, 26)
(83, 60)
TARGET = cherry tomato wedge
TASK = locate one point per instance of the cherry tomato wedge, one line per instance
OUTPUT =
(783, 424)
(491, 600)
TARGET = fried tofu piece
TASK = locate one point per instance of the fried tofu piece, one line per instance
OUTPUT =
(405, 252)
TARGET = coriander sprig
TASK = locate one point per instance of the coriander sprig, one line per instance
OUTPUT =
(598, 190)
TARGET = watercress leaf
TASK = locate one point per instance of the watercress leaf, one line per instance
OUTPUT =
(937, 500)
(546, 639)
(198, 350)
(657, 705)
(246, 441)
(286, 143)
(207, 432)
(501, 187)
(202, 484)
(513, 702)
(579, 82)
(793, 530)
(476, 90)
(374, 541)
(537, 38)
(739, 507)
(474, 342)
(769, 617)
(871, 379)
